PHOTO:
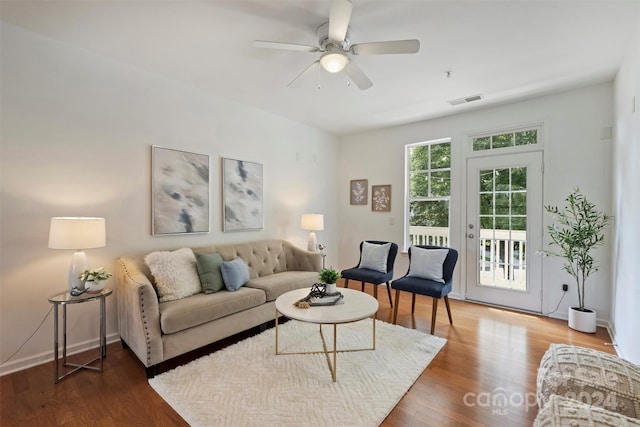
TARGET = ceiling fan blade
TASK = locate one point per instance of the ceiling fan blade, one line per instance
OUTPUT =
(339, 17)
(311, 68)
(358, 77)
(284, 46)
(383, 48)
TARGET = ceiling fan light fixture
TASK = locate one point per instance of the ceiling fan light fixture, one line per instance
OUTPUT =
(334, 62)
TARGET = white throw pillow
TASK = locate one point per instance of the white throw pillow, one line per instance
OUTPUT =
(427, 263)
(175, 273)
(374, 257)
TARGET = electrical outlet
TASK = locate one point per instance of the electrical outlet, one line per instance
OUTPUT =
(565, 287)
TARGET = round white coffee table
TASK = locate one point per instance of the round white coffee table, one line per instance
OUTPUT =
(355, 306)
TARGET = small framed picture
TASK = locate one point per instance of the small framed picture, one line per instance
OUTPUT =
(358, 194)
(381, 198)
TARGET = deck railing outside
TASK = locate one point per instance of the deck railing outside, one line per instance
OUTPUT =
(437, 236)
(502, 258)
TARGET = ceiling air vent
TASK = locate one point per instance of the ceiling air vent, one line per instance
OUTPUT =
(465, 100)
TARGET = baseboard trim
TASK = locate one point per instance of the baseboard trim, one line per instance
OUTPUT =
(612, 333)
(47, 356)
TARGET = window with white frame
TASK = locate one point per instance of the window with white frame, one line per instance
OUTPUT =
(520, 137)
(428, 190)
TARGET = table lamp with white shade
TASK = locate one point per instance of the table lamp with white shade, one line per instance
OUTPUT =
(312, 223)
(77, 233)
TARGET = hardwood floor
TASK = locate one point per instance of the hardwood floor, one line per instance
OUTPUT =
(490, 353)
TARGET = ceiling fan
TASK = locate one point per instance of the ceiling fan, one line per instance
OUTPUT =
(336, 48)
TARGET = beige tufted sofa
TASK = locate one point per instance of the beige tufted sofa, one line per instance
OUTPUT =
(156, 331)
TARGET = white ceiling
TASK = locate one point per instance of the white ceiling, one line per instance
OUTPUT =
(504, 50)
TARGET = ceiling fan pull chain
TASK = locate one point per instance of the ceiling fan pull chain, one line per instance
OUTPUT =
(319, 79)
(349, 74)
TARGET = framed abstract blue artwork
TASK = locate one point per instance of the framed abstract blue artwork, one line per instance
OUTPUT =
(242, 195)
(180, 192)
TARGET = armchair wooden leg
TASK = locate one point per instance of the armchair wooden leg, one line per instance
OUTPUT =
(375, 291)
(446, 301)
(434, 311)
(395, 307)
(346, 283)
(413, 303)
(389, 293)
(362, 287)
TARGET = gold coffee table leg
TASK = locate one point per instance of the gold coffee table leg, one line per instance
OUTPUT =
(332, 366)
(277, 332)
(335, 350)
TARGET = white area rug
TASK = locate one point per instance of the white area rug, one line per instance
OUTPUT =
(246, 384)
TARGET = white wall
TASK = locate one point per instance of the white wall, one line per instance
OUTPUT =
(76, 137)
(626, 205)
(574, 154)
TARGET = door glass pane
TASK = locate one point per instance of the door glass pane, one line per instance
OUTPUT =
(486, 181)
(519, 223)
(503, 223)
(486, 204)
(502, 204)
(519, 203)
(503, 179)
(486, 222)
(518, 178)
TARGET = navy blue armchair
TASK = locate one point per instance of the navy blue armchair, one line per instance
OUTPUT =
(365, 275)
(427, 287)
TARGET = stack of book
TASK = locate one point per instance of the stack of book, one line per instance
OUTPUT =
(332, 299)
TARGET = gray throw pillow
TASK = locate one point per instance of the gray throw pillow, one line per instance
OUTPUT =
(209, 272)
(374, 257)
(427, 263)
(234, 274)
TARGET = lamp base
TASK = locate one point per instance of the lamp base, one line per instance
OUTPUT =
(312, 245)
(78, 265)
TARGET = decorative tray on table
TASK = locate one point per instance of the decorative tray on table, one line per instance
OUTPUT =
(319, 297)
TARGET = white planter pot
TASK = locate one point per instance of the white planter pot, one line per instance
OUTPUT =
(331, 288)
(94, 287)
(583, 321)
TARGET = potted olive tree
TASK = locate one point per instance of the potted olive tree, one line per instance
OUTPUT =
(576, 231)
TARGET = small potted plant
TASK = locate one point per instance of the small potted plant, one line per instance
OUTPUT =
(577, 231)
(329, 277)
(93, 279)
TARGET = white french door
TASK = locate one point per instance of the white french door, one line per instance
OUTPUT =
(504, 230)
